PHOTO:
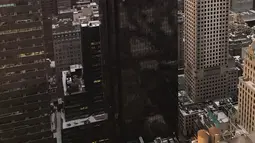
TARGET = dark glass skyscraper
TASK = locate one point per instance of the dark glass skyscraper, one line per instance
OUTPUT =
(24, 68)
(139, 43)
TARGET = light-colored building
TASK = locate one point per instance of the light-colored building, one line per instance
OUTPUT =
(246, 98)
(206, 47)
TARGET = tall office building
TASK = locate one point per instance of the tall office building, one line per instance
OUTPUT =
(24, 97)
(92, 66)
(208, 72)
(85, 111)
(246, 100)
(66, 34)
(139, 43)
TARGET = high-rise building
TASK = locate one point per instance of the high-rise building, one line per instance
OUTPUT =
(24, 97)
(82, 114)
(208, 73)
(246, 101)
(139, 43)
(92, 67)
(85, 109)
(66, 34)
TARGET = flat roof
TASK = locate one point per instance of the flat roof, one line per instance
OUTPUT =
(83, 121)
(248, 15)
(222, 117)
(71, 80)
(95, 23)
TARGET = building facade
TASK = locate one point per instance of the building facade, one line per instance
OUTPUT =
(140, 62)
(67, 44)
(180, 40)
(92, 67)
(66, 33)
(246, 92)
(206, 49)
(49, 8)
(24, 100)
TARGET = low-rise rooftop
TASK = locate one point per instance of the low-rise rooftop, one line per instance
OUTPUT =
(72, 80)
(248, 15)
(88, 120)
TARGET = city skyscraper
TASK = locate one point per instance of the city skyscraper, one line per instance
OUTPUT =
(81, 112)
(85, 111)
(24, 96)
(139, 43)
(246, 101)
(209, 73)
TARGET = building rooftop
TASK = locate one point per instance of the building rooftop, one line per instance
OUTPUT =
(82, 13)
(183, 98)
(221, 117)
(248, 15)
(95, 23)
(88, 120)
(72, 80)
(165, 140)
(213, 113)
(250, 138)
(189, 109)
(85, 13)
